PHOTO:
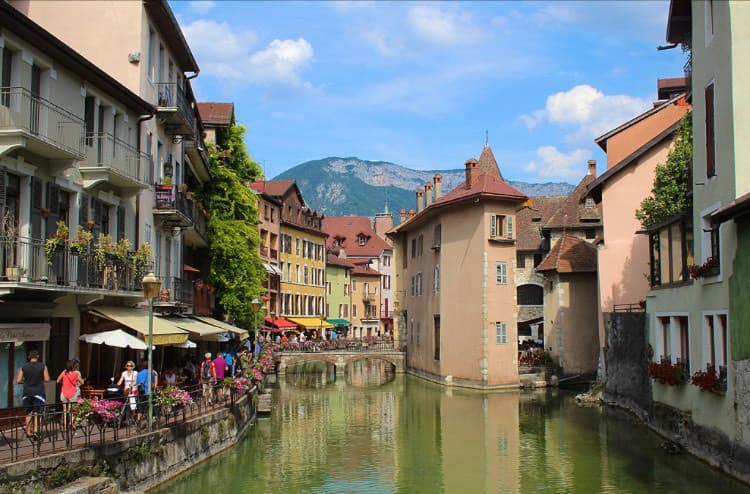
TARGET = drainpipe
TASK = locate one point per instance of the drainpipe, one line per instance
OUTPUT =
(141, 119)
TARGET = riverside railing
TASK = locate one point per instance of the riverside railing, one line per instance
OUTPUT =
(21, 110)
(54, 430)
(338, 345)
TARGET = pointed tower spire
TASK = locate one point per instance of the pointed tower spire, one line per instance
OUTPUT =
(488, 164)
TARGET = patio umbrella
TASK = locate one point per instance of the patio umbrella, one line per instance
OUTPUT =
(187, 344)
(116, 338)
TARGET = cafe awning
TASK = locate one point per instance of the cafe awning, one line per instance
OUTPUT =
(242, 333)
(201, 330)
(338, 322)
(311, 322)
(280, 322)
(164, 332)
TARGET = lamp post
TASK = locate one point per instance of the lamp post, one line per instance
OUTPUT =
(255, 304)
(151, 286)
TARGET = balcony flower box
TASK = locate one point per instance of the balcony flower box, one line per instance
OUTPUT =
(666, 372)
(705, 270)
(710, 380)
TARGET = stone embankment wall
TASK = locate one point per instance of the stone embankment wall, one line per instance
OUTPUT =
(141, 462)
(626, 357)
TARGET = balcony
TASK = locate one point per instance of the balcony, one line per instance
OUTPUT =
(172, 208)
(369, 297)
(196, 152)
(196, 235)
(109, 159)
(38, 125)
(174, 110)
(24, 264)
(174, 292)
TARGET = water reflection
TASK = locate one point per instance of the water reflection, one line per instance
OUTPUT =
(368, 372)
(409, 436)
(311, 374)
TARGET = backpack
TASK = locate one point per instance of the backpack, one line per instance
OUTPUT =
(206, 373)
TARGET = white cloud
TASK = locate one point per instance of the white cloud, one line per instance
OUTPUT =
(227, 54)
(445, 27)
(201, 6)
(378, 41)
(553, 163)
(586, 111)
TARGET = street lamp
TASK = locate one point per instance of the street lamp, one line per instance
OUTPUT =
(255, 304)
(151, 286)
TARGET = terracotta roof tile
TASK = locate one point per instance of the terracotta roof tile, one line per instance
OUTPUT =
(574, 212)
(361, 270)
(570, 255)
(275, 188)
(349, 228)
(529, 221)
(488, 163)
(216, 114)
(335, 260)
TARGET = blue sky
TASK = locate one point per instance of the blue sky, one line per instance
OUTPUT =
(418, 84)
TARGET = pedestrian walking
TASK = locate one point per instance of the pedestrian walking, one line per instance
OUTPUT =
(32, 376)
(207, 378)
(71, 381)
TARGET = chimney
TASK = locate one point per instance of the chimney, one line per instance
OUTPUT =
(438, 179)
(592, 168)
(428, 193)
(420, 200)
(403, 214)
(471, 172)
(411, 213)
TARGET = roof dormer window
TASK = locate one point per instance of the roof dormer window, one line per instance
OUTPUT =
(590, 202)
(362, 239)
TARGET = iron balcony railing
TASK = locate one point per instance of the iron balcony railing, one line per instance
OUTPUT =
(170, 198)
(107, 150)
(171, 97)
(26, 261)
(20, 110)
(176, 290)
(200, 222)
(369, 297)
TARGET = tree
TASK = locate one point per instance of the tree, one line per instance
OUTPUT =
(236, 270)
(669, 195)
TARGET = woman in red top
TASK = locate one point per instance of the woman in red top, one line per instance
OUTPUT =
(71, 381)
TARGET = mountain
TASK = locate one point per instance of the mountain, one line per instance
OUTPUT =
(350, 186)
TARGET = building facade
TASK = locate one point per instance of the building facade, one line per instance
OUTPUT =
(454, 257)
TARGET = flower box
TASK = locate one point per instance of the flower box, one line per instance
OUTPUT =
(710, 380)
(669, 373)
(705, 270)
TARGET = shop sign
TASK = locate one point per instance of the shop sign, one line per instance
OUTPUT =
(24, 332)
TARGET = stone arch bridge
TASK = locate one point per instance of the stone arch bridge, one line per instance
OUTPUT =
(339, 358)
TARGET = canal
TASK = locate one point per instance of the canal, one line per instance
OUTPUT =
(372, 432)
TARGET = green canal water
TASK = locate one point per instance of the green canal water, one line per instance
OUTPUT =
(371, 432)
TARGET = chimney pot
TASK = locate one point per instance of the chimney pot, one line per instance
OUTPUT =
(428, 193)
(420, 200)
(411, 213)
(471, 172)
(592, 168)
(438, 179)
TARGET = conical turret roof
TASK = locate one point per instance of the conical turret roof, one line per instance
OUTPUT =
(488, 163)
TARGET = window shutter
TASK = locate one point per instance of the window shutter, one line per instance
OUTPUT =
(96, 205)
(509, 227)
(710, 137)
(3, 190)
(36, 208)
(493, 226)
(120, 223)
(53, 206)
(83, 214)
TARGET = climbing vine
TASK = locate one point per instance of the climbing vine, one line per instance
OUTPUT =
(236, 270)
(669, 195)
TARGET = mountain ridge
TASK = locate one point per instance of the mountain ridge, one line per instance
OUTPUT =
(336, 186)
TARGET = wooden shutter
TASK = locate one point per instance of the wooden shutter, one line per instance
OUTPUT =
(493, 226)
(120, 223)
(83, 213)
(509, 226)
(710, 137)
(96, 206)
(53, 207)
(36, 208)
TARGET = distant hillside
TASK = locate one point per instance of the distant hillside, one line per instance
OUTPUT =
(350, 186)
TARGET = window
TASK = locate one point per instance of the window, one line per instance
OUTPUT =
(715, 340)
(362, 240)
(672, 342)
(89, 106)
(436, 280)
(589, 203)
(418, 284)
(436, 237)
(671, 252)
(501, 333)
(520, 260)
(710, 243)
(354, 285)
(346, 289)
(386, 260)
(354, 310)
(386, 282)
(436, 326)
(304, 271)
(265, 211)
(414, 247)
(296, 246)
(501, 273)
(420, 240)
(5, 76)
(710, 129)
(590, 233)
(501, 227)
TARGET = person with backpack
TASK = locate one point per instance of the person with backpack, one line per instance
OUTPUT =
(207, 378)
(32, 376)
(70, 392)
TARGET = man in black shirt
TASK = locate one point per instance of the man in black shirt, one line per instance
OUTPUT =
(33, 375)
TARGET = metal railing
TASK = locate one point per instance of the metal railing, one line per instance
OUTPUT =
(170, 95)
(168, 197)
(175, 289)
(24, 260)
(369, 297)
(372, 344)
(41, 119)
(107, 150)
(200, 222)
(53, 430)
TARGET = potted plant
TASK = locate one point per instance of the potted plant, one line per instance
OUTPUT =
(707, 269)
(56, 241)
(709, 380)
(81, 243)
(666, 372)
(103, 249)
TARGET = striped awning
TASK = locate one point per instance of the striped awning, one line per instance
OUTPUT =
(311, 322)
(163, 331)
(242, 333)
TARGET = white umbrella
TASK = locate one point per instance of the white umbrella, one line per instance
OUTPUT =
(117, 338)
